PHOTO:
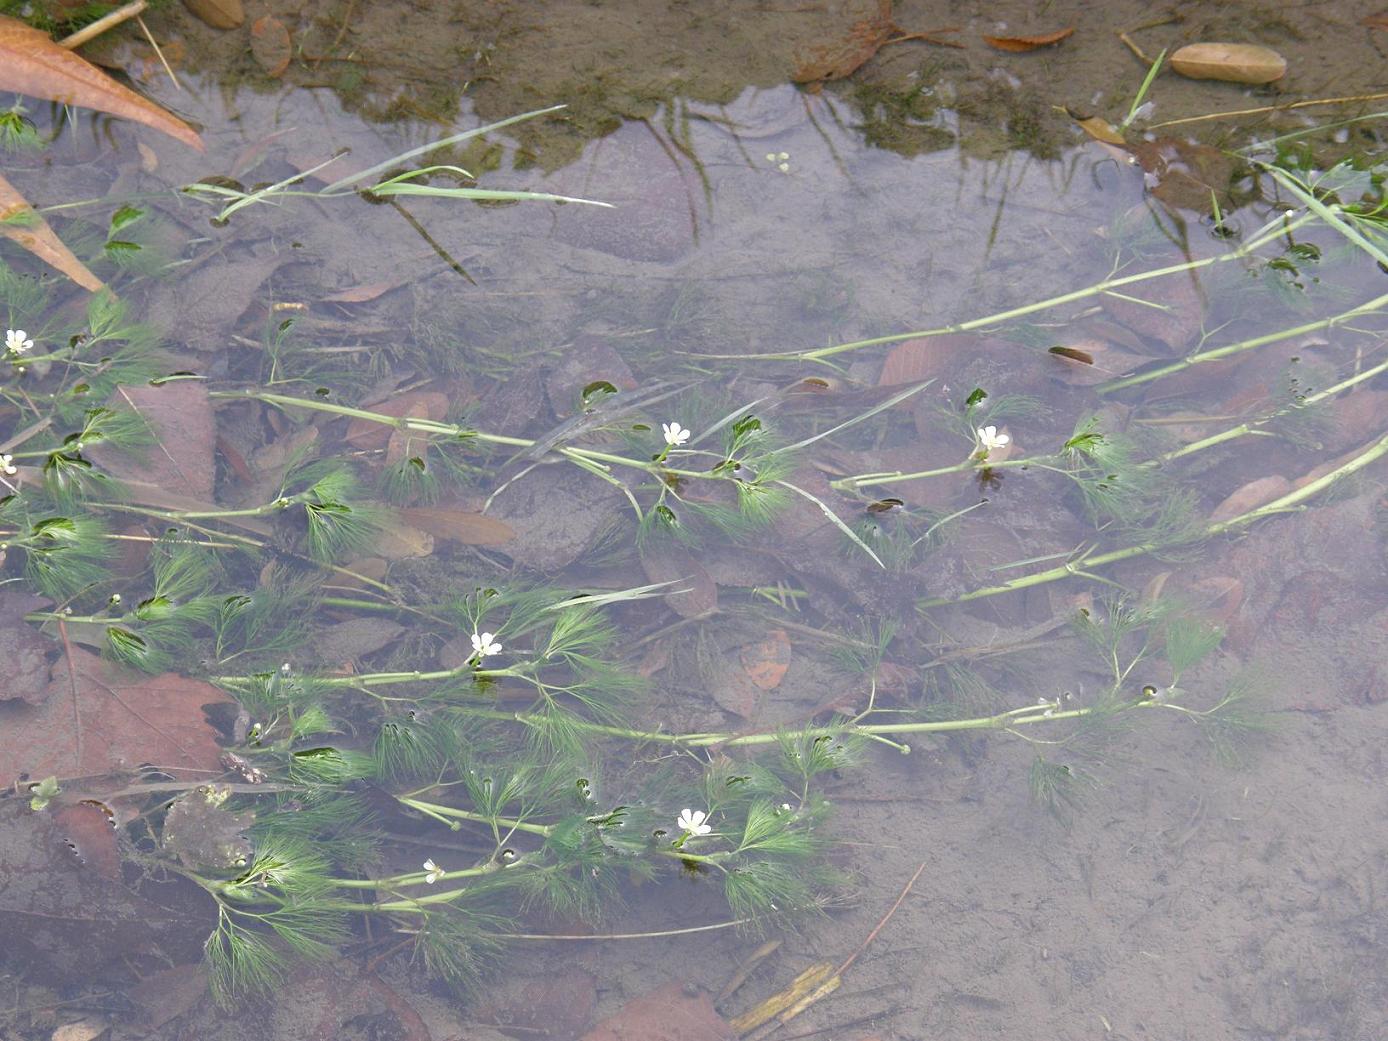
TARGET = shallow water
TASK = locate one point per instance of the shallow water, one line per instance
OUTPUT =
(1204, 882)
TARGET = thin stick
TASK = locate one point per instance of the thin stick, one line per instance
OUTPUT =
(1267, 108)
(625, 936)
(880, 924)
(72, 685)
(109, 21)
(158, 51)
(1135, 49)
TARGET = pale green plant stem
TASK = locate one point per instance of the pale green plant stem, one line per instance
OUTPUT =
(451, 430)
(1045, 462)
(1086, 563)
(1026, 716)
(1255, 426)
(1274, 230)
(1228, 350)
(438, 810)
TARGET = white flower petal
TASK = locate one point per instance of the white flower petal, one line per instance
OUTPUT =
(674, 433)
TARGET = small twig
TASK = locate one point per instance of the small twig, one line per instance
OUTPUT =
(625, 936)
(1262, 110)
(158, 51)
(342, 29)
(72, 685)
(1135, 49)
(880, 924)
(102, 24)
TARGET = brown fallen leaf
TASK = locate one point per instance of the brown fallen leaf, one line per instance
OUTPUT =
(1230, 62)
(1018, 44)
(181, 460)
(1073, 354)
(767, 660)
(101, 718)
(843, 57)
(1250, 496)
(417, 404)
(270, 45)
(1099, 128)
(32, 63)
(1376, 21)
(925, 358)
(456, 524)
(24, 651)
(21, 223)
(668, 1013)
(399, 541)
(64, 916)
(362, 293)
(220, 14)
(694, 594)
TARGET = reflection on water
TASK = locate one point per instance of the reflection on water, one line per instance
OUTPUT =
(589, 570)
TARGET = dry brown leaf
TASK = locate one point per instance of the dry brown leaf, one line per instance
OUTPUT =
(24, 650)
(694, 593)
(1230, 62)
(1250, 496)
(843, 57)
(669, 1013)
(270, 45)
(181, 460)
(220, 14)
(121, 718)
(1100, 129)
(32, 63)
(361, 294)
(1376, 21)
(1073, 354)
(455, 524)
(767, 661)
(21, 223)
(401, 541)
(1018, 44)
(417, 404)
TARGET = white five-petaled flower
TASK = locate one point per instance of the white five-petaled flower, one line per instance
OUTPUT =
(7, 464)
(675, 435)
(989, 438)
(17, 341)
(433, 871)
(694, 822)
(485, 644)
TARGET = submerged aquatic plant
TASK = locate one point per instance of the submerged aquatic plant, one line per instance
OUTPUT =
(504, 723)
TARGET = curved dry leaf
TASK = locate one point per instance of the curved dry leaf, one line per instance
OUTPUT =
(32, 63)
(121, 718)
(220, 14)
(270, 45)
(402, 541)
(1230, 62)
(414, 404)
(458, 525)
(767, 661)
(1018, 44)
(1250, 496)
(360, 294)
(837, 59)
(21, 223)
(179, 416)
(1100, 129)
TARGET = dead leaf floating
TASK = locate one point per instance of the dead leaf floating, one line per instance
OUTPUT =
(1019, 44)
(220, 14)
(32, 63)
(21, 223)
(1230, 62)
(270, 45)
